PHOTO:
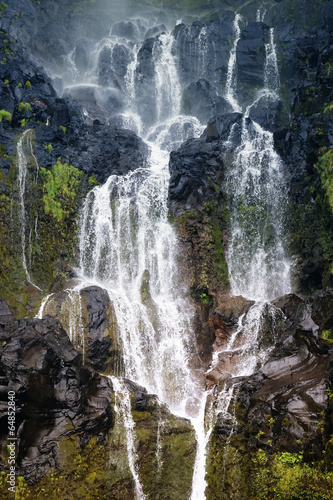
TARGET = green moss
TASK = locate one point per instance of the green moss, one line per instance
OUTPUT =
(4, 156)
(327, 335)
(6, 115)
(83, 473)
(325, 168)
(63, 128)
(208, 267)
(166, 451)
(24, 107)
(60, 188)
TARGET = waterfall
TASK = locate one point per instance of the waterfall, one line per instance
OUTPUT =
(127, 244)
(24, 150)
(129, 248)
(272, 79)
(168, 90)
(230, 88)
(258, 264)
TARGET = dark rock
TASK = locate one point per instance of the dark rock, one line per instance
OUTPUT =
(220, 126)
(81, 54)
(98, 149)
(200, 99)
(54, 393)
(251, 57)
(229, 309)
(321, 303)
(203, 48)
(141, 397)
(5, 313)
(192, 169)
(291, 305)
(156, 30)
(126, 29)
(270, 115)
(112, 65)
(101, 335)
(145, 81)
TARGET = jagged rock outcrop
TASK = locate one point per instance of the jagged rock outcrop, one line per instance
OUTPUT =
(55, 395)
(284, 408)
(89, 319)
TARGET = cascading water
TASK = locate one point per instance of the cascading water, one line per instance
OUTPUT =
(231, 74)
(122, 408)
(24, 150)
(258, 265)
(128, 247)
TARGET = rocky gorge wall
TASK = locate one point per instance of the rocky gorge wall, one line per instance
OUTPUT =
(283, 413)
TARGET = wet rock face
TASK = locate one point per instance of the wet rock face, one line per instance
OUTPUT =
(290, 388)
(193, 168)
(251, 56)
(203, 48)
(101, 332)
(200, 99)
(89, 319)
(100, 150)
(55, 394)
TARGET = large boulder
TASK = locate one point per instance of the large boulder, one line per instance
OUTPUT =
(54, 393)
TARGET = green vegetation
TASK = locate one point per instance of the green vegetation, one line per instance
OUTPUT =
(63, 128)
(233, 472)
(24, 107)
(50, 203)
(325, 168)
(3, 6)
(328, 108)
(208, 267)
(28, 84)
(60, 188)
(23, 122)
(329, 68)
(49, 148)
(6, 115)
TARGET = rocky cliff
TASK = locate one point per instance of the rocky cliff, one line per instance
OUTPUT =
(60, 137)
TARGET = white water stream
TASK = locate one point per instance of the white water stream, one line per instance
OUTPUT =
(24, 150)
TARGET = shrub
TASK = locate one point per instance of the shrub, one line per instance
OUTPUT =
(24, 107)
(6, 115)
